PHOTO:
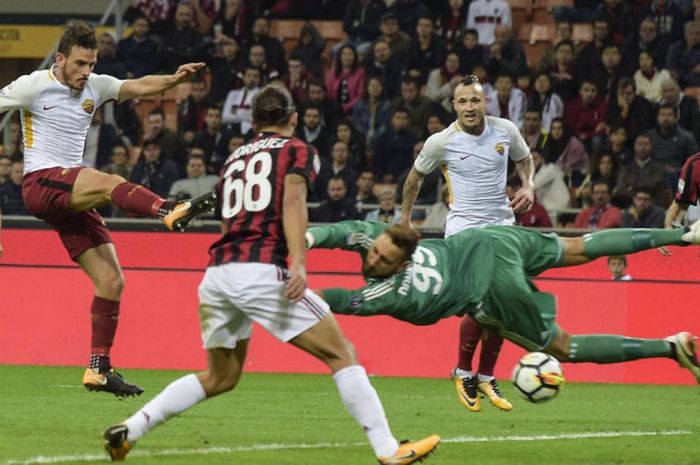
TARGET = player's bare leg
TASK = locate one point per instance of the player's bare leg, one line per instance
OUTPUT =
(224, 370)
(326, 342)
(102, 266)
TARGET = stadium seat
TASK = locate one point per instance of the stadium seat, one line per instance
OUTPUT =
(582, 32)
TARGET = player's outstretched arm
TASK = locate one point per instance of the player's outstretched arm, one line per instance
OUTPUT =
(411, 188)
(295, 220)
(351, 235)
(525, 196)
(153, 84)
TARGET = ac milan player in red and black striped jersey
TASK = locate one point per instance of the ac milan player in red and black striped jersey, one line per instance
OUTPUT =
(688, 191)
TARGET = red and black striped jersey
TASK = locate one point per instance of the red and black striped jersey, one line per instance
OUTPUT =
(689, 182)
(250, 193)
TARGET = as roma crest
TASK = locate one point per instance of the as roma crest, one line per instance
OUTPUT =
(88, 105)
(500, 148)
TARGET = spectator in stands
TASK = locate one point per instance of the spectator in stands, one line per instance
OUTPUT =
(297, 79)
(361, 23)
(15, 149)
(101, 137)
(669, 17)
(139, 52)
(631, 111)
(330, 109)
(562, 32)
(648, 40)
(365, 185)
(309, 49)
(11, 202)
(486, 15)
(430, 188)
(394, 150)
(505, 55)
(273, 50)
(565, 150)
(643, 213)
(550, 188)
(643, 171)
(532, 131)
(609, 74)
(409, 13)
(235, 19)
(399, 41)
(427, 50)
(155, 130)
(437, 215)
(313, 131)
(694, 13)
(257, 59)
(107, 60)
(383, 65)
(451, 21)
(617, 264)
(506, 101)
(198, 182)
(433, 125)
(602, 167)
(388, 211)
(686, 107)
(346, 132)
(338, 206)
(225, 67)
(158, 13)
(586, 116)
(235, 140)
(5, 168)
(205, 13)
(648, 78)
(372, 112)
(346, 80)
(181, 43)
(580, 12)
(153, 171)
(237, 110)
(617, 144)
(671, 143)
(589, 55)
(619, 17)
(119, 162)
(601, 214)
(562, 71)
(192, 110)
(338, 166)
(471, 53)
(418, 106)
(544, 100)
(213, 139)
(442, 81)
(536, 217)
(683, 59)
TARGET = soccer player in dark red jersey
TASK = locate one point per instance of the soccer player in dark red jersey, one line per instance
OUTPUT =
(262, 203)
(687, 192)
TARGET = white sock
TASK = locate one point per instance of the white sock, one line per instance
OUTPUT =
(363, 403)
(463, 373)
(484, 378)
(177, 397)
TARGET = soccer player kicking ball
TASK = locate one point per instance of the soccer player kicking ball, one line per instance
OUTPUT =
(486, 273)
(262, 203)
(56, 108)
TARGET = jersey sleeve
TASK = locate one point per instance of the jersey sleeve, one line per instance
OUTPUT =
(689, 181)
(304, 161)
(106, 86)
(376, 299)
(19, 94)
(518, 147)
(347, 235)
(432, 155)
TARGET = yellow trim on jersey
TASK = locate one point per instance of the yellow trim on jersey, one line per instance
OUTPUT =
(28, 131)
(51, 76)
(446, 174)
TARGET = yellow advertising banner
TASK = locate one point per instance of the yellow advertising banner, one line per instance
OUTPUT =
(31, 41)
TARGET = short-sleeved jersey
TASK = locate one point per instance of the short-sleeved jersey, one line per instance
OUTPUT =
(437, 284)
(476, 168)
(689, 182)
(55, 119)
(250, 193)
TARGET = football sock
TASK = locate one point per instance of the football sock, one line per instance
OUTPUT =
(362, 402)
(138, 200)
(484, 378)
(626, 240)
(105, 317)
(607, 348)
(469, 336)
(100, 363)
(490, 349)
(177, 397)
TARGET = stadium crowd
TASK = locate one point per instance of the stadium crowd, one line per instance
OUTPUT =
(607, 121)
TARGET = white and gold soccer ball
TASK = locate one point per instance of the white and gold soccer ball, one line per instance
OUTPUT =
(538, 377)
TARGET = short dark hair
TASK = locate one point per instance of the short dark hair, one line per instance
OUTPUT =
(666, 106)
(626, 82)
(400, 110)
(77, 33)
(651, 191)
(404, 237)
(214, 106)
(622, 258)
(562, 43)
(469, 80)
(273, 106)
(473, 32)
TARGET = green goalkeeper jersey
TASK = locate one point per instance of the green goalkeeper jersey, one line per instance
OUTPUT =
(446, 277)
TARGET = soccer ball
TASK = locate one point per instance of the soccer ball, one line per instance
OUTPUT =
(538, 377)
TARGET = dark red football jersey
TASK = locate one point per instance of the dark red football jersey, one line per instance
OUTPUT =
(250, 193)
(689, 182)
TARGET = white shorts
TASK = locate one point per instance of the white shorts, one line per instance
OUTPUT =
(234, 295)
(455, 224)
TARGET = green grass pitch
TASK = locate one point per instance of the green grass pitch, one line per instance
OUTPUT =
(46, 417)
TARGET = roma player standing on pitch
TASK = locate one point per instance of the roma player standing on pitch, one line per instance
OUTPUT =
(56, 109)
